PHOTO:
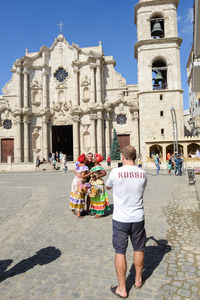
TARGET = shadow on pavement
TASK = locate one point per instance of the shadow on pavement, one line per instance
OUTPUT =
(42, 257)
(152, 258)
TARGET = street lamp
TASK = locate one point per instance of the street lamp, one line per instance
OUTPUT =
(175, 131)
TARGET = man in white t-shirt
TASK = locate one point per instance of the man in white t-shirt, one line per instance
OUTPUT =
(128, 183)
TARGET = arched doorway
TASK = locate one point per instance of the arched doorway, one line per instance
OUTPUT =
(62, 140)
(155, 149)
(192, 149)
(170, 149)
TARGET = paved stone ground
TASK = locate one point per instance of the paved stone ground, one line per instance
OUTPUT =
(48, 253)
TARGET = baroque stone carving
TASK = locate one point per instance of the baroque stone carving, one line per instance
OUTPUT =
(85, 127)
(35, 85)
(5, 111)
(120, 108)
(62, 106)
(60, 113)
(85, 81)
(61, 85)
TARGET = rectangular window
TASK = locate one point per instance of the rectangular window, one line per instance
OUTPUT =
(161, 97)
(162, 131)
(161, 113)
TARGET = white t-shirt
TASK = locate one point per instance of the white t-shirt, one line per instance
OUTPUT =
(128, 184)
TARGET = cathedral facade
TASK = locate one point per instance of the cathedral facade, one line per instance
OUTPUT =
(66, 98)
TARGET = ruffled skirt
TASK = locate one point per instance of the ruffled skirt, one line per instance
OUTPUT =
(76, 199)
(100, 202)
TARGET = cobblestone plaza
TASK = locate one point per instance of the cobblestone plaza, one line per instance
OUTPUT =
(48, 253)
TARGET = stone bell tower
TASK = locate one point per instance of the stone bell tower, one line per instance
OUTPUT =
(159, 80)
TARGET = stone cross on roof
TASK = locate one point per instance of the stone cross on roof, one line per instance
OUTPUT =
(61, 25)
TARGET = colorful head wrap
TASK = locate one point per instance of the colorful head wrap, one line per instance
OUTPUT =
(98, 157)
(81, 158)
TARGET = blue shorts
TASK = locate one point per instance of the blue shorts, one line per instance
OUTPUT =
(121, 232)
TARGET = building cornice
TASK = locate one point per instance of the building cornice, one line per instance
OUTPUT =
(153, 3)
(188, 139)
(160, 91)
(161, 41)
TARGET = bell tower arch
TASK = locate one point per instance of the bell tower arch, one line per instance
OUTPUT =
(157, 51)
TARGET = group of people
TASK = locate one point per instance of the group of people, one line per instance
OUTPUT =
(174, 162)
(57, 156)
(53, 158)
(88, 187)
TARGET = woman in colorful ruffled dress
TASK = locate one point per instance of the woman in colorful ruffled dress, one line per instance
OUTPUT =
(79, 187)
(98, 196)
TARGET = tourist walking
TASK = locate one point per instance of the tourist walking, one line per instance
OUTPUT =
(109, 161)
(128, 183)
(170, 164)
(60, 156)
(98, 196)
(178, 164)
(65, 165)
(37, 163)
(49, 157)
(79, 187)
(139, 162)
(57, 156)
(157, 163)
(54, 162)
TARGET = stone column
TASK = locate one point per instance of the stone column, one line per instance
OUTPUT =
(45, 137)
(76, 139)
(98, 82)
(18, 143)
(93, 134)
(185, 150)
(107, 134)
(25, 87)
(0, 150)
(102, 84)
(92, 90)
(100, 133)
(19, 89)
(76, 86)
(136, 142)
(164, 153)
(50, 136)
(26, 139)
(44, 89)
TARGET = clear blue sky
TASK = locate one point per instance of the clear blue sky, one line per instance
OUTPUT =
(33, 24)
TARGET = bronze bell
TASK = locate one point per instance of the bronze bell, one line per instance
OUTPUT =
(157, 30)
(158, 77)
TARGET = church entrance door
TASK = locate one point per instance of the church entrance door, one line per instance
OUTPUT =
(7, 149)
(62, 140)
(124, 140)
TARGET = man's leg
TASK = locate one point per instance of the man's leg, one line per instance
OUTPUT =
(120, 266)
(139, 264)
(120, 243)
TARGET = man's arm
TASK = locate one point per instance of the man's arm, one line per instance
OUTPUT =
(109, 182)
(108, 187)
